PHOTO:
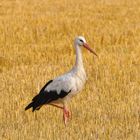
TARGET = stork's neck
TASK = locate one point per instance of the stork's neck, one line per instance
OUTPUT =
(79, 59)
(78, 68)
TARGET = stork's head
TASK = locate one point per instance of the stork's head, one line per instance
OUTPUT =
(81, 42)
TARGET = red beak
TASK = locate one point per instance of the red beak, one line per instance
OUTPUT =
(87, 47)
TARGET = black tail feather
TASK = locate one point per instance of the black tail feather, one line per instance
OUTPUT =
(29, 106)
(40, 99)
(37, 102)
(34, 105)
(35, 98)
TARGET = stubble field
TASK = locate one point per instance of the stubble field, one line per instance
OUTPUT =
(36, 44)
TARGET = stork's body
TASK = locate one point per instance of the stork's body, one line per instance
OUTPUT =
(59, 91)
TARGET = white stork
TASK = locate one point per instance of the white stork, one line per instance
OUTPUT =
(59, 91)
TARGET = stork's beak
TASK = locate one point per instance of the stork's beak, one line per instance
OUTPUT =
(87, 47)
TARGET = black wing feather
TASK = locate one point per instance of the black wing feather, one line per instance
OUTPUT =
(45, 97)
(41, 91)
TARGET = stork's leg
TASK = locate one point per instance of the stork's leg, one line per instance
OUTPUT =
(66, 115)
(68, 112)
(57, 106)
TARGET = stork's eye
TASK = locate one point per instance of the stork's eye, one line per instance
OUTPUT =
(81, 40)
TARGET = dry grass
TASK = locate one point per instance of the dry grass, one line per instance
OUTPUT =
(36, 45)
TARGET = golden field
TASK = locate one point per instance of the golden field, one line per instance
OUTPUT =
(36, 44)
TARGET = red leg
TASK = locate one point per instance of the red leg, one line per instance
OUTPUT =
(57, 106)
(66, 115)
(68, 112)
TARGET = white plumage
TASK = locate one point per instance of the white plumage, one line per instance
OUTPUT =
(60, 90)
